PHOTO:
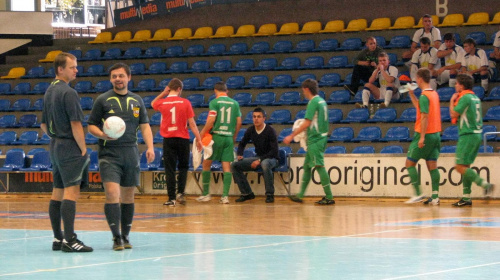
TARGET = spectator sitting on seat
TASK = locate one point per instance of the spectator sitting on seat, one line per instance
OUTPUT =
(428, 31)
(450, 52)
(387, 77)
(425, 57)
(475, 63)
(495, 55)
(365, 63)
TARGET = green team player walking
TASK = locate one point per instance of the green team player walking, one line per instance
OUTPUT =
(466, 107)
(316, 123)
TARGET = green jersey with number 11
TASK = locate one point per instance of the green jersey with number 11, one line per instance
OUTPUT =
(226, 111)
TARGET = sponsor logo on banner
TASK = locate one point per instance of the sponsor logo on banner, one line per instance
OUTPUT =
(43, 182)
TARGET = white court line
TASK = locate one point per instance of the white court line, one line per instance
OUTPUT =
(442, 271)
(205, 252)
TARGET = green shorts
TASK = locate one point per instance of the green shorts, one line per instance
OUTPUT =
(315, 154)
(467, 148)
(430, 151)
(223, 148)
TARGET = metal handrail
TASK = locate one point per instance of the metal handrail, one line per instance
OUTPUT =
(485, 135)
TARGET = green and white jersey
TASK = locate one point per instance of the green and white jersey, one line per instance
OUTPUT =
(226, 111)
(317, 113)
(471, 119)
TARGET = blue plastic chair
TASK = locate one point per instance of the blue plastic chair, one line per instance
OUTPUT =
(155, 164)
(94, 161)
(223, 65)
(173, 51)
(22, 104)
(196, 99)
(145, 85)
(202, 118)
(489, 149)
(209, 83)
(259, 48)
(280, 81)
(490, 128)
(102, 86)
(357, 116)
(194, 50)
(381, 42)
(216, 49)
(162, 85)
(351, 44)
(76, 53)
(289, 63)
(147, 101)
(445, 93)
(264, 99)
(200, 66)
(338, 61)
(44, 140)
(327, 45)
(27, 120)
(304, 46)
(90, 139)
(284, 133)
(132, 53)
(288, 98)
(479, 91)
(235, 82)
(248, 118)
(335, 150)
(191, 83)
(152, 52)
(342, 134)
(393, 60)
(445, 114)
(450, 149)
(393, 149)
(237, 48)
(4, 88)
(157, 138)
(137, 68)
(408, 115)
(243, 98)
(86, 102)
(339, 97)
(111, 54)
(8, 137)
(35, 72)
(478, 36)
(92, 54)
(27, 138)
(21, 88)
(258, 81)
(178, 67)
(399, 41)
(83, 86)
(363, 150)
(335, 115)
(244, 65)
(14, 161)
(282, 116)
(281, 47)
(240, 134)
(7, 121)
(329, 80)
(300, 79)
(369, 133)
(266, 64)
(157, 68)
(313, 62)
(37, 105)
(4, 105)
(397, 133)
(450, 133)
(384, 115)
(40, 88)
(34, 151)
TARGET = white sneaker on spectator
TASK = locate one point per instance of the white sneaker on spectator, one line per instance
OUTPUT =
(204, 198)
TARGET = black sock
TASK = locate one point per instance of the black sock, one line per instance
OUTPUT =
(68, 210)
(127, 217)
(55, 218)
(112, 212)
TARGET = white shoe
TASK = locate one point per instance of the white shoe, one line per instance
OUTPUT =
(204, 198)
(224, 200)
(431, 201)
(180, 198)
(415, 199)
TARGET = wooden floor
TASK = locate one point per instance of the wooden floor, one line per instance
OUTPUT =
(368, 232)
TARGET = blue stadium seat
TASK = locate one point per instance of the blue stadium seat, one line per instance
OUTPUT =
(90, 139)
(40, 88)
(235, 82)
(77, 53)
(83, 86)
(140, 138)
(34, 151)
(479, 91)
(8, 137)
(102, 86)
(320, 93)
(27, 120)
(283, 80)
(266, 64)
(478, 36)
(7, 121)
(327, 45)
(210, 82)
(445, 93)
(248, 118)
(22, 104)
(85, 120)
(445, 114)
(338, 61)
(147, 101)
(489, 149)
(157, 138)
(329, 80)
(51, 73)
(191, 135)
(304, 46)
(191, 83)
(200, 66)
(173, 51)
(397, 133)
(210, 98)
(284, 133)
(178, 67)
(244, 65)
(283, 116)
(86, 102)
(258, 81)
(92, 54)
(14, 160)
(44, 140)
(138, 68)
(408, 115)
(281, 47)
(393, 59)
(237, 48)
(223, 65)
(450, 149)
(313, 62)
(243, 98)
(196, 99)
(384, 115)
(300, 79)
(259, 48)
(240, 134)
(94, 161)
(202, 118)
(21, 88)
(132, 53)
(155, 164)
(357, 115)
(342, 134)
(4, 105)
(144, 85)
(339, 97)
(264, 99)
(381, 42)
(216, 49)
(152, 52)
(289, 63)
(351, 44)
(27, 138)
(489, 128)
(112, 54)
(4, 88)
(288, 98)
(392, 149)
(400, 42)
(301, 151)
(335, 150)
(194, 50)
(157, 68)
(35, 72)
(347, 80)
(368, 133)
(363, 150)
(300, 114)
(162, 85)
(335, 115)
(450, 133)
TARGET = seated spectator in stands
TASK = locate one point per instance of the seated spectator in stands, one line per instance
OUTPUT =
(495, 55)
(450, 52)
(428, 31)
(425, 57)
(365, 63)
(263, 137)
(387, 77)
(475, 63)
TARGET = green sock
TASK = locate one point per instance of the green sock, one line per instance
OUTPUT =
(435, 178)
(325, 181)
(306, 177)
(467, 180)
(205, 180)
(474, 177)
(228, 179)
(414, 179)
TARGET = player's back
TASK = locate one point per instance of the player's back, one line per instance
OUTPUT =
(226, 110)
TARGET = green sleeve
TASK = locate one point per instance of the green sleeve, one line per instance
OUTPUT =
(423, 102)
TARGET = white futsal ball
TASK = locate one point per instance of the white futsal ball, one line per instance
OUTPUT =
(114, 127)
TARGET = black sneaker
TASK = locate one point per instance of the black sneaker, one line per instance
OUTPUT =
(489, 190)
(126, 242)
(170, 203)
(270, 199)
(118, 243)
(56, 244)
(75, 245)
(462, 203)
(245, 197)
(295, 198)
(325, 201)
(348, 88)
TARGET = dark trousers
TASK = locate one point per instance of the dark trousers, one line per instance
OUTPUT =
(360, 72)
(176, 154)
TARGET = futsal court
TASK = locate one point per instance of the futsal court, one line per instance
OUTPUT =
(354, 239)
